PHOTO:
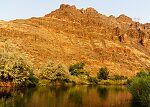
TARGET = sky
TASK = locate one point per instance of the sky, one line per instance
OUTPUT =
(138, 10)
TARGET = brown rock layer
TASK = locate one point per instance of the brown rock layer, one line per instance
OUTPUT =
(69, 35)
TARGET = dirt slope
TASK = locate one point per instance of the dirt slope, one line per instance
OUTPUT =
(69, 35)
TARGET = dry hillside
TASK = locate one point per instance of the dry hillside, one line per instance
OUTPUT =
(69, 35)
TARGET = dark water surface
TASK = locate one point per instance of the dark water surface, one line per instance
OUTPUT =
(73, 96)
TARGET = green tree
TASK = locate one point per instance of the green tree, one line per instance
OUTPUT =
(139, 87)
(77, 69)
(103, 73)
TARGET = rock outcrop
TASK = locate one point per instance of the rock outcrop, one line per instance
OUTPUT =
(69, 35)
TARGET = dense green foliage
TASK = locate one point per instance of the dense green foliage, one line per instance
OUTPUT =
(143, 73)
(103, 73)
(53, 72)
(78, 69)
(139, 87)
(16, 70)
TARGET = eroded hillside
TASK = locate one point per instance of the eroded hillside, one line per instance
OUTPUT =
(69, 35)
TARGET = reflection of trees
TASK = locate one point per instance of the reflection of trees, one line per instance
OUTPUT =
(58, 90)
(103, 92)
(5, 93)
(59, 94)
(14, 97)
(77, 95)
(135, 103)
(119, 89)
(76, 98)
(63, 96)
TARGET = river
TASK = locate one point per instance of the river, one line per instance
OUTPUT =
(68, 96)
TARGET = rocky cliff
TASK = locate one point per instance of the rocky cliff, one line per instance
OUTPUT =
(69, 35)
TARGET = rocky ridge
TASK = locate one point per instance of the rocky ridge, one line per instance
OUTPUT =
(69, 35)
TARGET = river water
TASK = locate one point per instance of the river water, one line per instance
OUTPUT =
(72, 96)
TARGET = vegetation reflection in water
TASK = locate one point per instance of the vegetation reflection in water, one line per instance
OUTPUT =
(74, 96)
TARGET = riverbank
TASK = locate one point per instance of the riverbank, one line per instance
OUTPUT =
(113, 82)
(101, 82)
(58, 83)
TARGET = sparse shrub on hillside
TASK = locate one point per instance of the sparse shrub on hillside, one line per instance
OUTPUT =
(103, 73)
(15, 67)
(78, 69)
(53, 72)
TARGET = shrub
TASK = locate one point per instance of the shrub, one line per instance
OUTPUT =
(103, 73)
(15, 67)
(139, 87)
(93, 80)
(53, 72)
(77, 69)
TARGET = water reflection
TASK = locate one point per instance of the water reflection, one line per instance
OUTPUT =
(74, 96)
(103, 92)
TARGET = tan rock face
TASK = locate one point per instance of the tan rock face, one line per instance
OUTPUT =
(69, 35)
(124, 18)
